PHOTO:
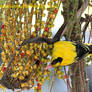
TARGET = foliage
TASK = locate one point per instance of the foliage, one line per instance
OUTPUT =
(24, 66)
(21, 68)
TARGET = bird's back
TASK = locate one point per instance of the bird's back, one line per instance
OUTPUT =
(69, 51)
(66, 50)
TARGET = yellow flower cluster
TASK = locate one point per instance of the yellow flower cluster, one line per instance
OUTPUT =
(29, 62)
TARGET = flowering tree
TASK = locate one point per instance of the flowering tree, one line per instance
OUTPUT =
(26, 41)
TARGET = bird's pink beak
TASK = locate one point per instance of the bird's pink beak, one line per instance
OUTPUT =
(48, 67)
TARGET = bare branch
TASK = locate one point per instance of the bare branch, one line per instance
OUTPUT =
(84, 30)
(59, 33)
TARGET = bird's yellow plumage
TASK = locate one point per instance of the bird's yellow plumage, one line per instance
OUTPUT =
(65, 53)
(66, 50)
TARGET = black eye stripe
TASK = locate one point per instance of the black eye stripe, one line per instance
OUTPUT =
(59, 59)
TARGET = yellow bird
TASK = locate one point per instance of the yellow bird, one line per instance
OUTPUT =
(65, 52)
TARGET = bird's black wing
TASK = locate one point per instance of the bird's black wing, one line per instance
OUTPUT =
(82, 50)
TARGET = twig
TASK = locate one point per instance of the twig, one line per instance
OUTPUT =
(89, 36)
(60, 32)
(67, 81)
(53, 80)
(83, 7)
(90, 4)
(68, 74)
(84, 30)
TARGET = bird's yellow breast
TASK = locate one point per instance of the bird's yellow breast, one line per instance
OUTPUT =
(66, 50)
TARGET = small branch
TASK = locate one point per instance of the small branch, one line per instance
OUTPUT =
(89, 37)
(0, 81)
(5, 73)
(59, 33)
(84, 30)
(67, 81)
(82, 20)
(53, 80)
(68, 74)
(83, 7)
(90, 4)
(35, 40)
(90, 33)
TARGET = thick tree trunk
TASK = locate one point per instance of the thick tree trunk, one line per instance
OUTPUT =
(79, 78)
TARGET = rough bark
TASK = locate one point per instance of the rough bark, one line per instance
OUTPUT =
(78, 74)
(78, 77)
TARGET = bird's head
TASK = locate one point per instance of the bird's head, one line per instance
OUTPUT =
(55, 63)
